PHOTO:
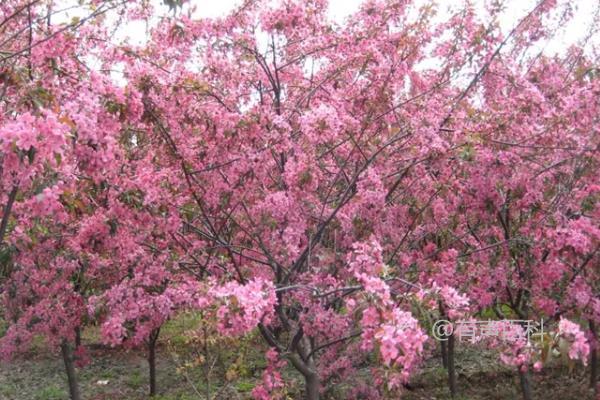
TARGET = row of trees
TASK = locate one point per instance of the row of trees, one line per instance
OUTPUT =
(318, 182)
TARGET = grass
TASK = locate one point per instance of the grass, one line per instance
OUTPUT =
(136, 380)
(52, 392)
(245, 386)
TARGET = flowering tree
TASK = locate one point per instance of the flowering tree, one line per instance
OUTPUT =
(59, 159)
(326, 160)
(308, 179)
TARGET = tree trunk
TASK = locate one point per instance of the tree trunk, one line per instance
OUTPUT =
(207, 364)
(312, 386)
(451, 369)
(152, 360)
(6, 214)
(301, 357)
(594, 359)
(67, 355)
(443, 340)
(152, 368)
(444, 348)
(77, 337)
(525, 385)
(594, 372)
(310, 374)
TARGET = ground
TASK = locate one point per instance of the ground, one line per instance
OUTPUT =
(481, 376)
(115, 374)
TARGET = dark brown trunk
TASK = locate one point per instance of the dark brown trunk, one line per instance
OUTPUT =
(301, 357)
(77, 337)
(525, 385)
(594, 372)
(594, 359)
(6, 214)
(67, 355)
(152, 360)
(207, 367)
(451, 369)
(444, 349)
(443, 339)
(312, 387)
(152, 369)
(310, 374)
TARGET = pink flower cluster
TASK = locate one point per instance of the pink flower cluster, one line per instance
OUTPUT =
(242, 307)
(272, 382)
(579, 348)
(401, 341)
